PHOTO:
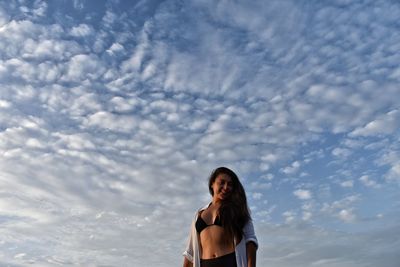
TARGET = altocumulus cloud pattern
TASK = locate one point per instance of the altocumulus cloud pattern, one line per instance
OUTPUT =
(113, 113)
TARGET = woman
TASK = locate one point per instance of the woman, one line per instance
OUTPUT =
(222, 233)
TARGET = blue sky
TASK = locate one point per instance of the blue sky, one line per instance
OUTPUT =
(114, 113)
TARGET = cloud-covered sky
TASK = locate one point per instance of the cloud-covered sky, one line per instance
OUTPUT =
(113, 114)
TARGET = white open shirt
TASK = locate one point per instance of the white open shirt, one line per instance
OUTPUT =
(192, 252)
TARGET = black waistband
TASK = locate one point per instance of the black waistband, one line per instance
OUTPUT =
(228, 260)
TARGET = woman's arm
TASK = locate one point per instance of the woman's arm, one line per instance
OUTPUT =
(187, 263)
(251, 243)
(251, 250)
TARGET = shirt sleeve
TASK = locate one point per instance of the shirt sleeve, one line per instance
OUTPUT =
(249, 233)
(188, 253)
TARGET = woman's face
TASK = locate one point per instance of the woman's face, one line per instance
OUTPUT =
(222, 186)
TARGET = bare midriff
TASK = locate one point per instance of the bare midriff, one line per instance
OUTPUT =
(215, 242)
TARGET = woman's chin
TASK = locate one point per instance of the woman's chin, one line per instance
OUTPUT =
(223, 197)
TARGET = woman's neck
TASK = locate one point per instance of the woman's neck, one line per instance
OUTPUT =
(216, 203)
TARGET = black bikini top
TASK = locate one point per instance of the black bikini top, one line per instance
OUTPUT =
(201, 224)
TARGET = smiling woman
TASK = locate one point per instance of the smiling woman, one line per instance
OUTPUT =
(222, 232)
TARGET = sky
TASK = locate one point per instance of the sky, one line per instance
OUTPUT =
(114, 113)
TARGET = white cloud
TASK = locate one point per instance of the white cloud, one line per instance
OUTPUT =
(391, 159)
(327, 94)
(22, 38)
(118, 123)
(341, 152)
(121, 104)
(4, 104)
(343, 209)
(302, 194)
(394, 172)
(347, 215)
(268, 176)
(270, 158)
(348, 183)
(78, 4)
(109, 18)
(81, 67)
(48, 72)
(257, 195)
(366, 180)
(82, 30)
(136, 60)
(292, 169)
(385, 124)
(115, 48)
(75, 141)
(40, 8)
(289, 216)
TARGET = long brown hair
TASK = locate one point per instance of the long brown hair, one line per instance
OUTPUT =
(234, 212)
